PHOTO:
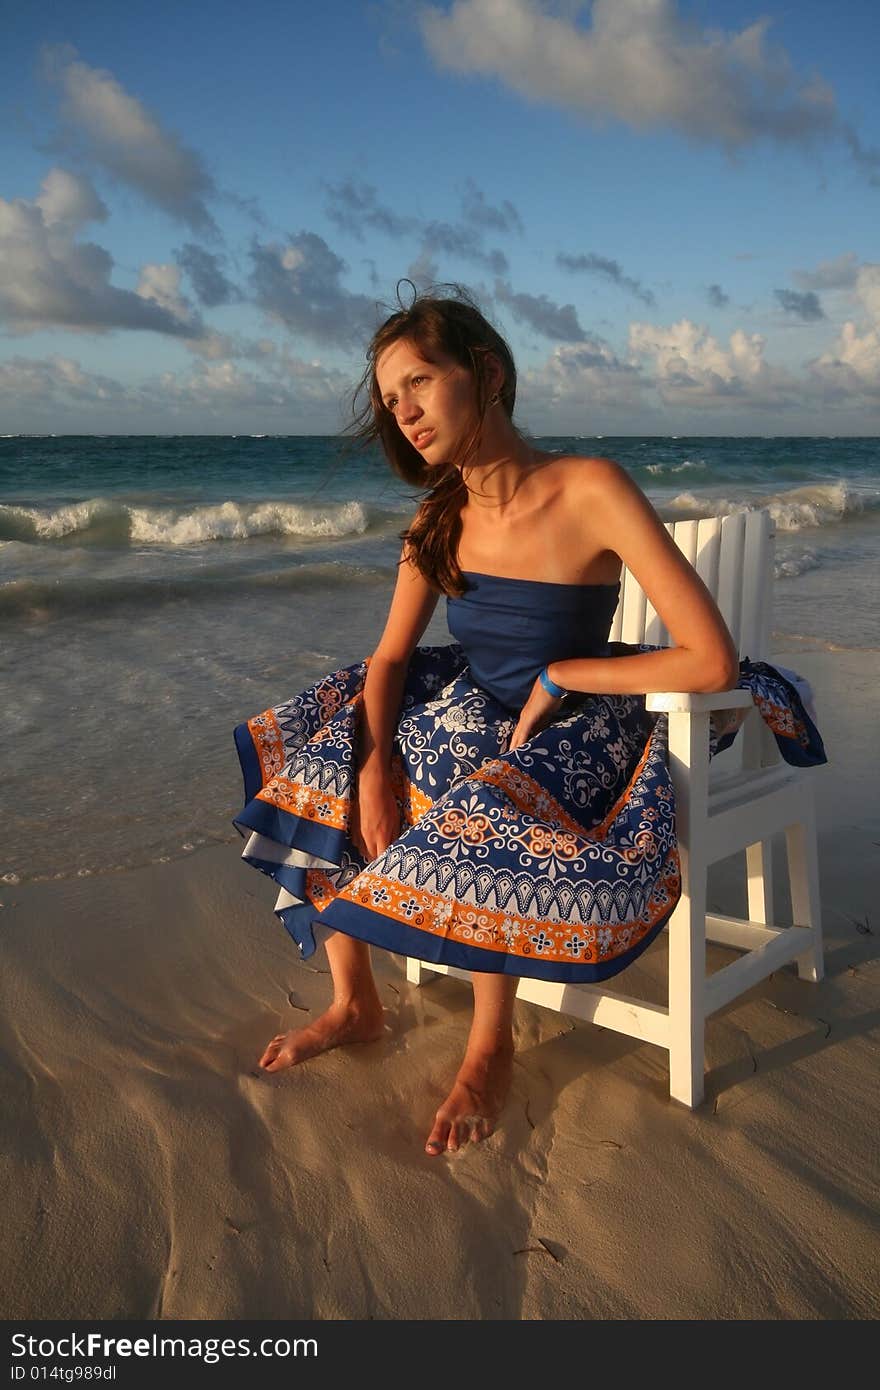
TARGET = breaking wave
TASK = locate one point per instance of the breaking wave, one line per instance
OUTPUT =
(103, 521)
(800, 509)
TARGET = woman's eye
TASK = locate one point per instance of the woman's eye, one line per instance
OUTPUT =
(417, 379)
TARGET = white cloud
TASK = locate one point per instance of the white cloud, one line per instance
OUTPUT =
(288, 387)
(314, 382)
(48, 279)
(840, 273)
(677, 376)
(476, 208)
(354, 206)
(68, 201)
(803, 305)
(424, 270)
(292, 390)
(851, 366)
(576, 379)
(609, 269)
(868, 290)
(161, 284)
(209, 281)
(463, 242)
(691, 367)
(220, 383)
(118, 133)
(301, 284)
(641, 62)
(215, 346)
(50, 379)
(559, 321)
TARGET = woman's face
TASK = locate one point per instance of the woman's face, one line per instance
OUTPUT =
(433, 401)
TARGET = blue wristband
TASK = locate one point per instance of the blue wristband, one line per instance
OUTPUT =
(550, 686)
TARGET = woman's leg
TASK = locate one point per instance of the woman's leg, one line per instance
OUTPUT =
(480, 1089)
(354, 1016)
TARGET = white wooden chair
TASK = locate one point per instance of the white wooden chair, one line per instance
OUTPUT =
(740, 806)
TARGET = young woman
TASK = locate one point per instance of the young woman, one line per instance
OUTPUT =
(502, 803)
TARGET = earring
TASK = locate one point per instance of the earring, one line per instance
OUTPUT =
(493, 400)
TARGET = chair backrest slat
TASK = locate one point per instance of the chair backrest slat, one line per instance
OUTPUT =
(733, 555)
(708, 551)
(730, 572)
(632, 604)
(756, 589)
(655, 632)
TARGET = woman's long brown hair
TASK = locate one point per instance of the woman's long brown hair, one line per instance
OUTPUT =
(443, 319)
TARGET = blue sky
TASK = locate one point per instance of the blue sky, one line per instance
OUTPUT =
(670, 208)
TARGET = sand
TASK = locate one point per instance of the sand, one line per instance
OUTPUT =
(152, 1171)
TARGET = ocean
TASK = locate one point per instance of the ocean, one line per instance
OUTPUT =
(156, 591)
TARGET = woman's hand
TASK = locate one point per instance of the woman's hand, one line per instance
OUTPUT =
(375, 818)
(536, 714)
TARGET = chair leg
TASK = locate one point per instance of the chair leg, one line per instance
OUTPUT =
(689, 768)
(687, 1018)
(759, 871)
(415, 971)
(803, 872)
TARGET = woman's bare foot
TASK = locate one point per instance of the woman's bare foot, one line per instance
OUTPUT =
(476, 1100)
(341, 1023)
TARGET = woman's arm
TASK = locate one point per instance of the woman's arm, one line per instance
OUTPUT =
(411, 608)
(703, 658)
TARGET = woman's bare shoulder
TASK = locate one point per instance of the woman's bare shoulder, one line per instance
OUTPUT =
(590, 464)
(591, 476)
(610, 504)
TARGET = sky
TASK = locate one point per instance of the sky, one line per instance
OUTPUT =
(670, 208)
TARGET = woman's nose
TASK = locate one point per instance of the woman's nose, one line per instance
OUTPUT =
(408, 409)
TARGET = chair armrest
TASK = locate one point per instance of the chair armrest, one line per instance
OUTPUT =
(685, 702)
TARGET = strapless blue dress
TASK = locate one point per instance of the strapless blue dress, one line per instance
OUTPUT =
(511, 628)
(557, 860)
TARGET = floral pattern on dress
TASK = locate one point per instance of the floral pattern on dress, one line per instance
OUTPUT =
(557, 859)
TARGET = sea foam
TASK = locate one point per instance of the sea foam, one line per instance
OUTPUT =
(241, 520)
(796, 562)
(101, 518)
(686, 466)
(799, 509)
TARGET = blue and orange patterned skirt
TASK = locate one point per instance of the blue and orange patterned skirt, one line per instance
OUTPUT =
(557, 860)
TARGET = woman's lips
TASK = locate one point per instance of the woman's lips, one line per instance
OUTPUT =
(422, 437)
